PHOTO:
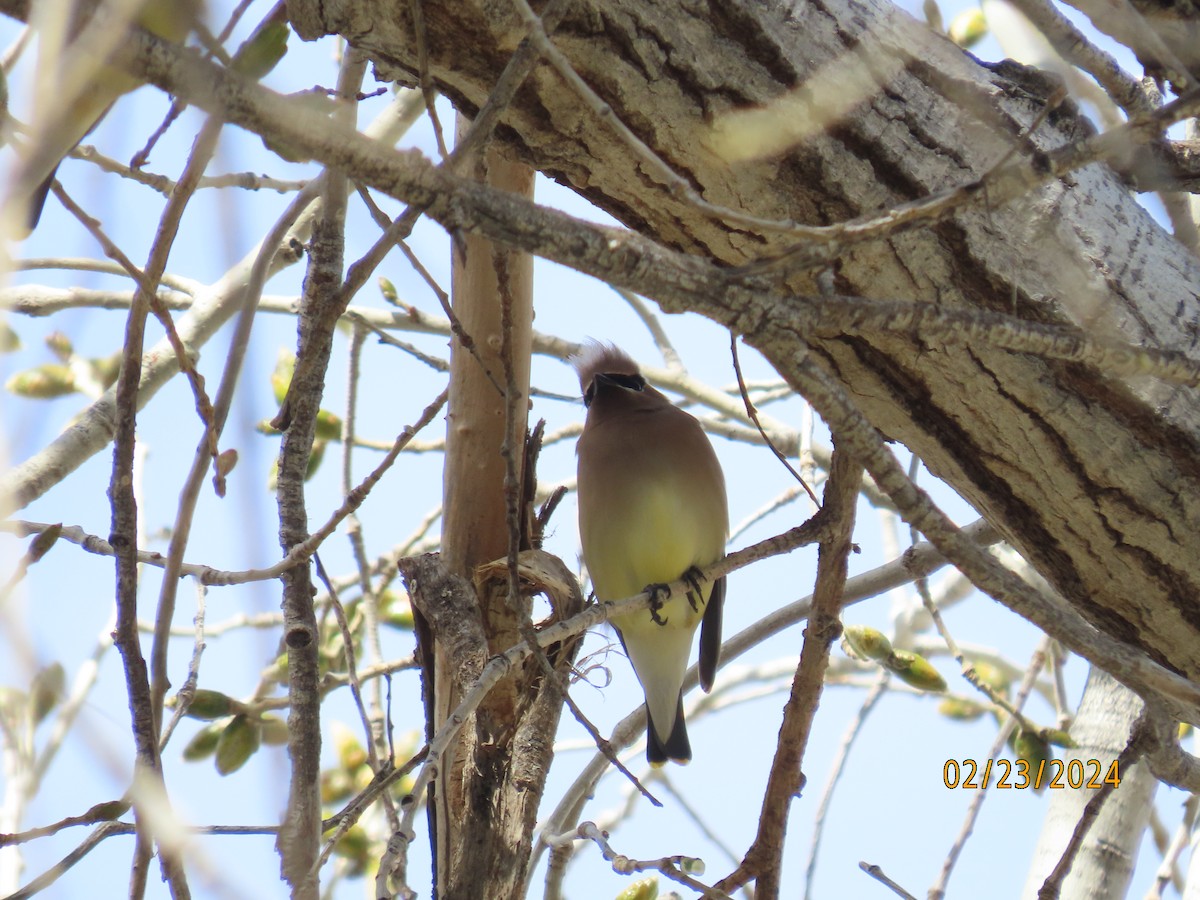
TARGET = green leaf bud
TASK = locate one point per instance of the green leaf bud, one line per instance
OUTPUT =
(867, 643)
(239, 741)
(916, 671)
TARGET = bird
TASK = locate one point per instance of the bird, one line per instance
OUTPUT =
(170, 20)
(652, 510)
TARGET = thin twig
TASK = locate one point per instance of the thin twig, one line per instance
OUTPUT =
(1038, 659)
(147, 282)
(187, 692)
(1137, 670)
(853, 730)
(920, 560)
(753, 414)
(673, 867)
(1139, 741)
(764, 860)
(1074, 47)
(370, 598)
(301, 551)
(877, 873)
(347, 633)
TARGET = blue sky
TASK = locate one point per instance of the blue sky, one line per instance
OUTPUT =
(892, 808)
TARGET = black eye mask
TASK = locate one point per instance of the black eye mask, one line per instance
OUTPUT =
(629, 382)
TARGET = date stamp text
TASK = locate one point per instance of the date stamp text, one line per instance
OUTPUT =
(1020, 774)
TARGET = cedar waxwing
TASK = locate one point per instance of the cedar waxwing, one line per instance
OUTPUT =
(170, 20)
(652, 508)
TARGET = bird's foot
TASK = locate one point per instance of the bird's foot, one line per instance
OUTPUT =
(659, 594)
(693, 577)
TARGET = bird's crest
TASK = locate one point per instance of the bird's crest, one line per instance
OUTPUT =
(597, 358)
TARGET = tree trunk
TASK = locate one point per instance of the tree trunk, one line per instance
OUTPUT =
(1104, 866)
(489, 784)
(1094, 480)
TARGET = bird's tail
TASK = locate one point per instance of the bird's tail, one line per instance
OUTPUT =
(676, 748)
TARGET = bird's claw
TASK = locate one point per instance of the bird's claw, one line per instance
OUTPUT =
(693, 576)
(659, 594)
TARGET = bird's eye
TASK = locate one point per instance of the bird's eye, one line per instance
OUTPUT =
(631, 382)
(628, 382)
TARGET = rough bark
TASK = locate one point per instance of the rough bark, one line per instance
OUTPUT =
(322, 303)
(1093, 480)
(300, 832)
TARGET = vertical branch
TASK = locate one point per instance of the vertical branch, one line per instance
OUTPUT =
(377, 742)
(764, 859)
(474, 520)
(853, 730)
(321, 305)
(123, 538)
(205, 146)
(259, 272)
(145, 703)
(1036, 662)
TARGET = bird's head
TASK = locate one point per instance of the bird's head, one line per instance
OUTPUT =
(602, 366)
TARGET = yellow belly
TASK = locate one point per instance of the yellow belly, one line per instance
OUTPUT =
(653, 540)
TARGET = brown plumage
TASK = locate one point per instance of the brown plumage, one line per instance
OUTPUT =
(652, 508)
